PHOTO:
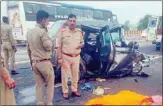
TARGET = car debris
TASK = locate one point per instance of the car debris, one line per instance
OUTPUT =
(87, 87)
(100, 79)
(136, 80)
(106, 88)
(147, 59)
(99, 91)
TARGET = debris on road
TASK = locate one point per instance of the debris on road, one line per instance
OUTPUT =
(150, 57)
(25, 68)
(87, 87)
(147, 59)
(136, 80)
(107, 88)
(99, 91)
(145, 65)
(100, 80)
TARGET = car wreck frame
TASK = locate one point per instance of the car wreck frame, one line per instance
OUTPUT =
(98, 56)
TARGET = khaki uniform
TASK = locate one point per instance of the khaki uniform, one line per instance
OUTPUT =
(6, 95)
(68, 42)
(0, 44)
(7, 43)
(40, 46)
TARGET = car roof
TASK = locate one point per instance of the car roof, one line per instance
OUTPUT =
(90, 22)
(91, 29)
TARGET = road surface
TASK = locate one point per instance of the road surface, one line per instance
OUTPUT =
(25, 90)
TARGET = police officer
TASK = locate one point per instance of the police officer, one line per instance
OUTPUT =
(6, 86)
(6, 83)
(8, 45)
(69, 44)
(39, 51)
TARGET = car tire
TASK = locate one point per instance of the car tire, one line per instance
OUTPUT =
(136, 69)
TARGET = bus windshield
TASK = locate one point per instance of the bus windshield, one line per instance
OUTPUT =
(107, 15)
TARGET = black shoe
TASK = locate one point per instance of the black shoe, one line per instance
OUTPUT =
(13, 72)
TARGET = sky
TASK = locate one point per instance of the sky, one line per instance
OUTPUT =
(125, 10)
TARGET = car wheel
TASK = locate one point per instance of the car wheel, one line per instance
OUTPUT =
(136, 69)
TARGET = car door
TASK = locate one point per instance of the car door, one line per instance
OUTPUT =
(107, 51)
(120, 51)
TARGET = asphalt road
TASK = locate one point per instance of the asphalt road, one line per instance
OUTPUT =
(25, 90)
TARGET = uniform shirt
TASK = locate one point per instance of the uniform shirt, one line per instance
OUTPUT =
(39, 43)
(6, 34)
(69, 40)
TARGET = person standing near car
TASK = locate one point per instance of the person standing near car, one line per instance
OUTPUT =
(69, 44)
(39, 50)
(8, 45)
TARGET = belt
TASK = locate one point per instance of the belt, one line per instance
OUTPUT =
(40, 60)
(72, 55)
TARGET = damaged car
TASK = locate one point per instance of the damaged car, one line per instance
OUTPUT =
(100, 56)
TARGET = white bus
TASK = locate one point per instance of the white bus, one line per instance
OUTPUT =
(22, 14)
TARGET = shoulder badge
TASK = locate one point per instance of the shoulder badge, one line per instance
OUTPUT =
(64, 28)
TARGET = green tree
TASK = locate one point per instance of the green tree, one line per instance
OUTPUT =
(143, 23)
(127, 25)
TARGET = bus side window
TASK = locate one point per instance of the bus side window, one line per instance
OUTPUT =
(88, 14)
(36, 7)
(77, 12)
(63, 12)
(28, 8)
(51, 10)
(29, 12)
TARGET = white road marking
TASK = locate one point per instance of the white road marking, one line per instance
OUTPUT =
(18, 51)
(21, 62)
(25, 51)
